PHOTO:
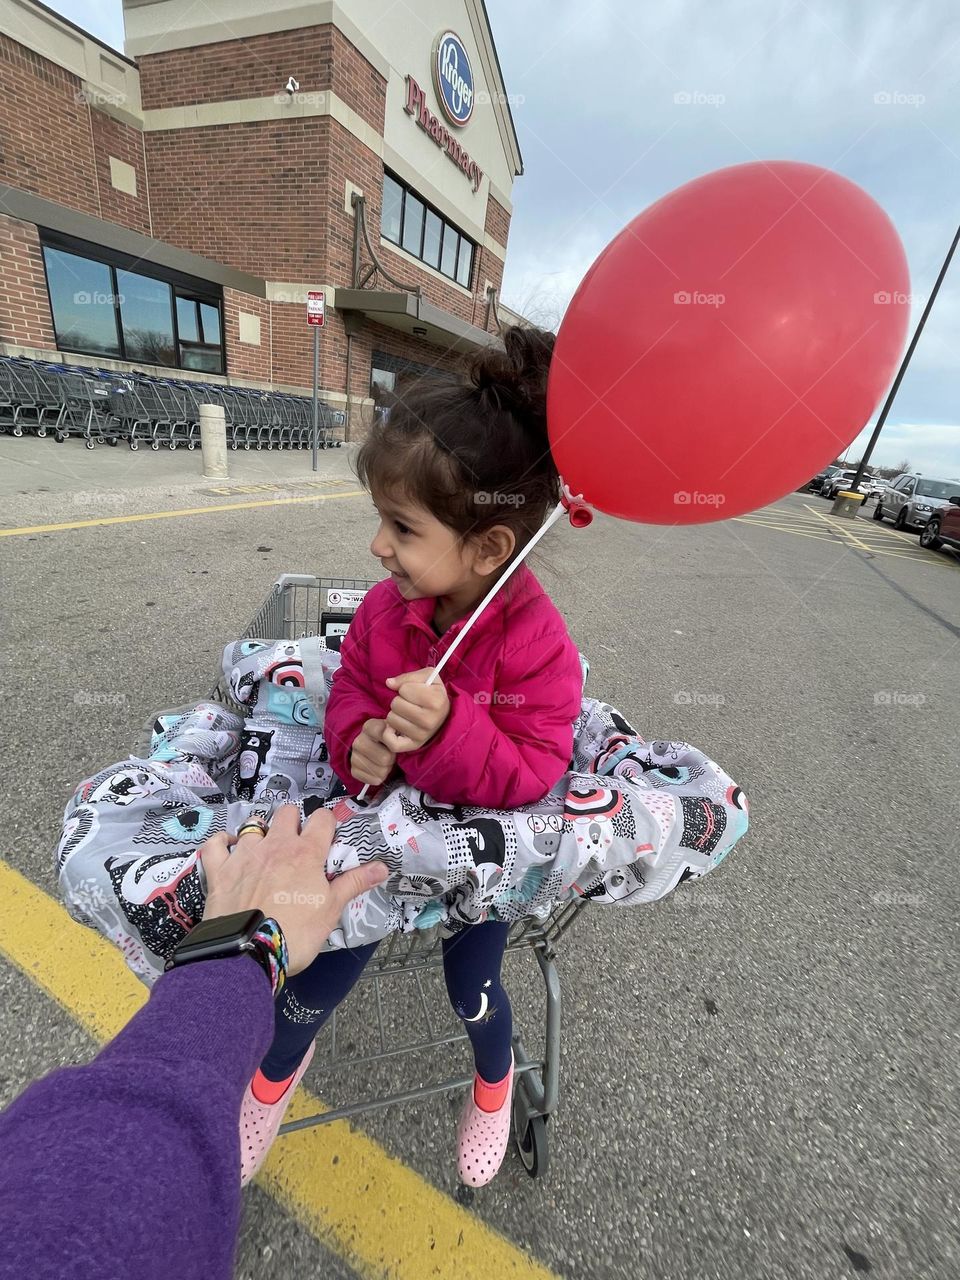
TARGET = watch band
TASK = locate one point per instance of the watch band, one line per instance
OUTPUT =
(270, 948)
(242, 933)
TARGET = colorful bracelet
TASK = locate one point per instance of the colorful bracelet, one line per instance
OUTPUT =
(272, 947)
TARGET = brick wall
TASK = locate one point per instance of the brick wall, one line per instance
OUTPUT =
(319, 58)
(244, 359)
(113, 138)
(24, 307)
(497, 221)
(45, 142)
(247, 195)
(55, 144)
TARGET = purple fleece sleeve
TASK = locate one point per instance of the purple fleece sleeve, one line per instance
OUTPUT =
(130, 1166)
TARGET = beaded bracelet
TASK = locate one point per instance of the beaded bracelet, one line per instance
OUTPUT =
(271, 945)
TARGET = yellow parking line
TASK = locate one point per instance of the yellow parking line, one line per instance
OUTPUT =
(797, 533)
(184, 511)
(839, 528)
(384, 1219)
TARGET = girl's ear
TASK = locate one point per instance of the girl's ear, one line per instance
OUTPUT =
(493, 547)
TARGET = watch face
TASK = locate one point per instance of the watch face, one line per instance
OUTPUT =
(219, 936)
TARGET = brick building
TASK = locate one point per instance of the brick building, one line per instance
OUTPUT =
(172, 206)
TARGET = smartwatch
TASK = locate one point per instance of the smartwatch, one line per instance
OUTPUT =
(243, 933)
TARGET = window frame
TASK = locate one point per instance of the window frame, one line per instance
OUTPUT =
(178, 283)
(446, 226)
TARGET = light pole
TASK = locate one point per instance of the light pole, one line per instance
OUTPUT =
(903, 365)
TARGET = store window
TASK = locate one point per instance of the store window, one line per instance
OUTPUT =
(146, 317)
(103, 305)
(410, 223)
(387, 369)
(392, 209)
(83, 305)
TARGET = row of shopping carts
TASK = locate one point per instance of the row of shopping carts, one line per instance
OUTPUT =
(100, 406)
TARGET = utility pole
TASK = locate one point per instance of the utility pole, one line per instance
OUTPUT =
(903, 366)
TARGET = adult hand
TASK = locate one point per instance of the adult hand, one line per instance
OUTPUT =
(370, 760)
(283, 874)
(417, 712)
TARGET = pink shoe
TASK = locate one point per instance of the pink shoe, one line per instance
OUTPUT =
(482, 1138)
(260, 1121)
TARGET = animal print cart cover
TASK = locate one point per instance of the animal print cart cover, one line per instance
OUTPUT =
(627, 823)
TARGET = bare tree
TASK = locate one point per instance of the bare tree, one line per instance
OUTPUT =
(903, 465)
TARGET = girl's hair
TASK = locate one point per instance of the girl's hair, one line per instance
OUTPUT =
(471, 448)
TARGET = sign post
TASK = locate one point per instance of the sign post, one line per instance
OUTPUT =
(315, 306)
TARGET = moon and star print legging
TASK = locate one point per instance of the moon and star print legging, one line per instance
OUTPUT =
(472, 961)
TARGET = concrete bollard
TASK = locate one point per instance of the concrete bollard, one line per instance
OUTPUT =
(213, 442)
(847, 504)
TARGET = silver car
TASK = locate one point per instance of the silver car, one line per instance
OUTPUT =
(909, 500)
(843, 482)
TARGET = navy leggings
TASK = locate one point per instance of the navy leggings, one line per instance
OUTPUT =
(471, 966)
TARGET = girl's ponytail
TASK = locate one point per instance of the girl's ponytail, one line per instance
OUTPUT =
(515, 378)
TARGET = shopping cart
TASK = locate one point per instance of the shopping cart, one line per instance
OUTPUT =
(302, 605)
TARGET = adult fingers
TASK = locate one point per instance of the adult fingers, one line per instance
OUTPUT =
(358, 880)
(213, 855)
(319, 830)
(286, 820)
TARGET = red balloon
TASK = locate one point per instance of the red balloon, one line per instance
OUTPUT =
(731, 341)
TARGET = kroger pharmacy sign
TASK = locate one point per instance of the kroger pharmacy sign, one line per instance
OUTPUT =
(454, 78)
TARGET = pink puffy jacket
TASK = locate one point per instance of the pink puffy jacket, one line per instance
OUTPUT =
(515, 687)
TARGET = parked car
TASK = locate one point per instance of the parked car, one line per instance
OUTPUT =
(943, 527)
(910, 499)
(822, 477)
(843, 481)
(814, 483)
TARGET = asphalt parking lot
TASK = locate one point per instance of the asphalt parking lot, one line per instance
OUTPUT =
(759, 1073)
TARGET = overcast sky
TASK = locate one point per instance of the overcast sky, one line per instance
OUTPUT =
(870, 88)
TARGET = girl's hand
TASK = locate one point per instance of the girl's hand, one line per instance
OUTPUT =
(370, 760)
(417, 712)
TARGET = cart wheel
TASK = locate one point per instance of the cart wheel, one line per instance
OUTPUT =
(59, 437)
(338, 444)
(18, 432)
(532, 1144)
(89, 443)
(134, 445)
(172, 445)
(234, 446)
(112, 441)
(269, 444)
(246, 446)
(259, 446)
(41, 433)
(155, 446)
(191, 445)
(99, 439)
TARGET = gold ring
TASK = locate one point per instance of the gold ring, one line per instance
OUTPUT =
(252, 825)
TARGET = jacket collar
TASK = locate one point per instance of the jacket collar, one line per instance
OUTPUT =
(419, 613)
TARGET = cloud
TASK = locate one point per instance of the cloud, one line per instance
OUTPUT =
(866, 89)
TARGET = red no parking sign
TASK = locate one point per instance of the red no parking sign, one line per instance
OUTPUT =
(315, 304)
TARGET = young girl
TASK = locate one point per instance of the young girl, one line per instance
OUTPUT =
(462, 478)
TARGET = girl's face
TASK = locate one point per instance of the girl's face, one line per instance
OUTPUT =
(426, 558)
(422, 554)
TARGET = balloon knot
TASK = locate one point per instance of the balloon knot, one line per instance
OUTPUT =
(578, 511)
